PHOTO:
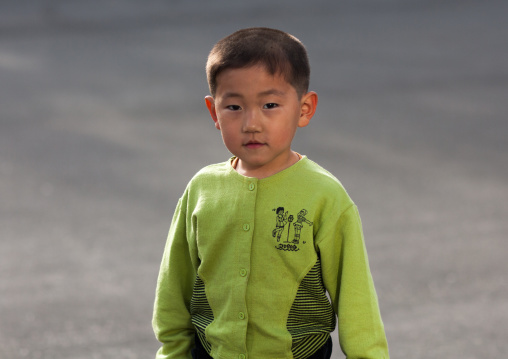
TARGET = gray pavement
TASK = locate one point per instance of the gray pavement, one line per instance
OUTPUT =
(102, 123)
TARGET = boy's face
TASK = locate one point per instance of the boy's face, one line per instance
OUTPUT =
(258, 115)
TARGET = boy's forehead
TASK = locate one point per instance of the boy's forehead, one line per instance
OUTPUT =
(258, 68)
(232, 81)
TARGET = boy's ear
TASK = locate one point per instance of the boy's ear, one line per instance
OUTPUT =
(210, 104)
(308, 105)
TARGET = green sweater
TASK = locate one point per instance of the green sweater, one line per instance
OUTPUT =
(248, 263)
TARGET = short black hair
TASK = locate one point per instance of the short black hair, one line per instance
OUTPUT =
(278, 51)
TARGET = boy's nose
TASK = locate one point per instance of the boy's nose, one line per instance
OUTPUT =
(251, 122)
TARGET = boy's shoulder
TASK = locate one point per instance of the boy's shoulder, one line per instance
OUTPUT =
(210, 175)
(320, 173)
(314, 173)
(212, 170)
(324, 190)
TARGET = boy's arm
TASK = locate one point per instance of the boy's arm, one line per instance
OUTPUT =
(347, 277)
(171, 317)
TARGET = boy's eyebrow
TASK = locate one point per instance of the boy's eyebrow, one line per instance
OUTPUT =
(261, 94)
(272, 92)
(231, 94)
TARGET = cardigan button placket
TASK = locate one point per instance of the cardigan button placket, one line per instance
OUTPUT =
(245, 246)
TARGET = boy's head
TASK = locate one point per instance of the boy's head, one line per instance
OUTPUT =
(259, 81)
(278, 52)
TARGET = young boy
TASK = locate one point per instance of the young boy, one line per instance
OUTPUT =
(257, 241)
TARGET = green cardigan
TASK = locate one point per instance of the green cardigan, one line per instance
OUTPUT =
(247, 263)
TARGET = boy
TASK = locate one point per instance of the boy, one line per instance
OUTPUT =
(256, 242)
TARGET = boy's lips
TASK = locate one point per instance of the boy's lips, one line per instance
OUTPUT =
(254, 144)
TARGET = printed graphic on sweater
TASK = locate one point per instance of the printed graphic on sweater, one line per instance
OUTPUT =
(290, 239)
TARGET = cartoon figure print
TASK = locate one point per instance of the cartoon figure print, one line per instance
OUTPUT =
(280, 223)
(300, 219)
(281, 220)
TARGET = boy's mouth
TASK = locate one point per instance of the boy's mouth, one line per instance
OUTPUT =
(253, 144)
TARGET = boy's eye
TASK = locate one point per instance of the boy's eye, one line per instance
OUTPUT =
(233, 107)
(270, 105)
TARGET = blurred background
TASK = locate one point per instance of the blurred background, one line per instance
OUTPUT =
(103, 122)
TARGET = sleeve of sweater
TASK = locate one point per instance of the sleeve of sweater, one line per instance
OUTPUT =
(171, 316)
(348, 280)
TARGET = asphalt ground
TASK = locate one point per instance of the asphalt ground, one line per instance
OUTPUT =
(102, 123)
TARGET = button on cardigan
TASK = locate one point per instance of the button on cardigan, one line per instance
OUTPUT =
(248, 263)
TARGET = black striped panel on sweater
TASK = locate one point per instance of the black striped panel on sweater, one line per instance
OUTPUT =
(311, 318)
(201, 312)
